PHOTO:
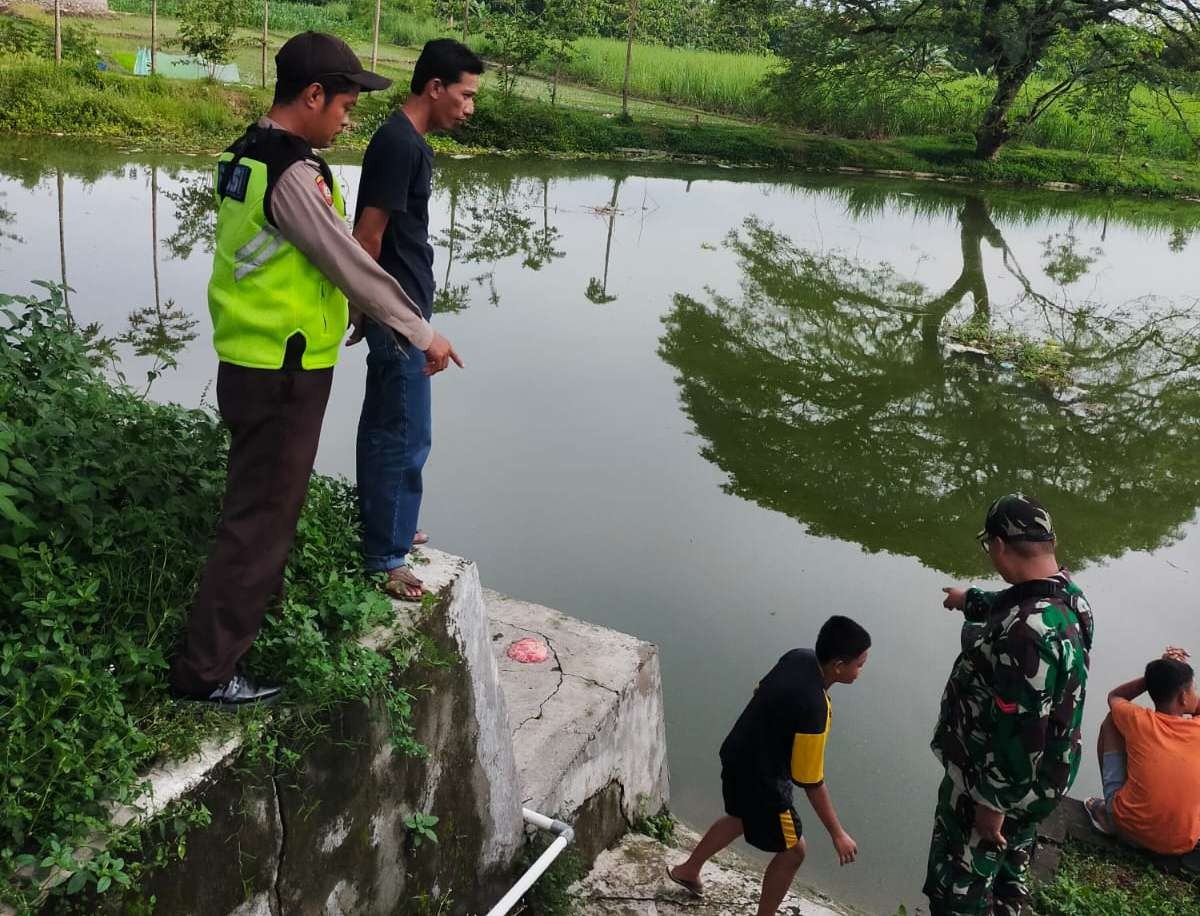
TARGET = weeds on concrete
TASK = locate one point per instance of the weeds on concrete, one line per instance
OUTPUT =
(660, 826)
(1092, 882)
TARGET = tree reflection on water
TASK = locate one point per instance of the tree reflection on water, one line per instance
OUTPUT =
(825, 392)
(492, 217)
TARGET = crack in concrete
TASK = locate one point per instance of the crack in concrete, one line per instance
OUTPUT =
(279, 850)
(593, 681)
(557, 667)
(689, 903)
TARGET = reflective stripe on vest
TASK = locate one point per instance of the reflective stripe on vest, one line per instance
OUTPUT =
(263, 290)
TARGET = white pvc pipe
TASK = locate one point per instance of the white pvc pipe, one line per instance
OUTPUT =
(564, 835)
(538, 820)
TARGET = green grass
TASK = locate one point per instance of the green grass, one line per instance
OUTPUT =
(1094, 883)
(710, 80)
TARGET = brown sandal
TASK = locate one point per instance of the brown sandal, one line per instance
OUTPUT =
(401, 581)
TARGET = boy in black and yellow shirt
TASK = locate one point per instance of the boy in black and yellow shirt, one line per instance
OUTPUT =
(779, 739)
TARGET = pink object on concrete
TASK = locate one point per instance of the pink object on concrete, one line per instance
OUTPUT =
(528, 651)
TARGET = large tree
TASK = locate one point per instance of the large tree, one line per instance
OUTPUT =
(883, 45)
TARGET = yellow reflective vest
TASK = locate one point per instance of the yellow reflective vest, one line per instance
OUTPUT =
(263, 290)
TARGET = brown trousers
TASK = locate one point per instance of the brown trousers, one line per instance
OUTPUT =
(274, 417)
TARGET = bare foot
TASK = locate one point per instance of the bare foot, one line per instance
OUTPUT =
(689, 882)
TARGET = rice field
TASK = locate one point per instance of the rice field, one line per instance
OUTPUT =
(711, 80)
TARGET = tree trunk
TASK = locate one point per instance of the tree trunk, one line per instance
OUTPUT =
(266, 23)
(633, 8)
(554, 85)
(153, 36)
(466, 18)
(57, 32)
(375, 35)
(995, 130)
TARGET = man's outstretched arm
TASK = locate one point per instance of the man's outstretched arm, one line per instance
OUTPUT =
(822, 803)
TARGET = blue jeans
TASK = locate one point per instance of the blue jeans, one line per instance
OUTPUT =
(395, 433)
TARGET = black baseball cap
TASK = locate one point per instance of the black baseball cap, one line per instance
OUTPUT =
(1017, 517)
(308, 57)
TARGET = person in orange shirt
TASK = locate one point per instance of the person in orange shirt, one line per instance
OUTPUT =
(1150, 760)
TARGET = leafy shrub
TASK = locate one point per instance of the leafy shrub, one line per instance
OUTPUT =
(25, 36)
(206, 30)
(107, 502)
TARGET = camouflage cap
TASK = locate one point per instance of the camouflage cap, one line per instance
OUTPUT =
(1017, 517)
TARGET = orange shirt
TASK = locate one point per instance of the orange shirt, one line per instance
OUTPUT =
(1159, 805)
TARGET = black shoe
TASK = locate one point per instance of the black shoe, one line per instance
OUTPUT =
(239, 690)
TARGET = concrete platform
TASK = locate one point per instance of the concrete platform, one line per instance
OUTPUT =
(587, 723)
(630, 880)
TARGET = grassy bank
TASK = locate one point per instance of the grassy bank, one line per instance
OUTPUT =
(78, 100)
(1090, 882)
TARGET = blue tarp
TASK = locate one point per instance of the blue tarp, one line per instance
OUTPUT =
(181, 67)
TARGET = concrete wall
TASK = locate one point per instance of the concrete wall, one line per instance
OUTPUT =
(75, 7)
(588, 724)
(329, 837)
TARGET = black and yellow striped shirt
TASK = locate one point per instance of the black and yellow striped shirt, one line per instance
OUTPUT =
(779, 739)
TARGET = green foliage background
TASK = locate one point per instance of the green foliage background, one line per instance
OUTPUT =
(107, 504)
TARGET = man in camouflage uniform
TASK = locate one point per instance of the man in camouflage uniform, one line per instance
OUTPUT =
(1008, 733)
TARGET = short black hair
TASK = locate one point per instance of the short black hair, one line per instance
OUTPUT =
(841, 640)
(1165, 677)
(1029, 549)
(333, 85)
(444, 59)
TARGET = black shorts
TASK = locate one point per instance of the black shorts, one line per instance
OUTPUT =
(767, 824)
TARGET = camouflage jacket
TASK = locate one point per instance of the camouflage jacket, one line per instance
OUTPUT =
(1008, 733)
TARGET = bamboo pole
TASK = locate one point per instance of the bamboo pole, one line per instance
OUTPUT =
(633, 10)
(57, 32)
(266, 23)
(375, 35)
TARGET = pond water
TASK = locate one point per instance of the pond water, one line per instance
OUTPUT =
(711, 407)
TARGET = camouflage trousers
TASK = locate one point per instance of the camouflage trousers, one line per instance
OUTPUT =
(969, 876)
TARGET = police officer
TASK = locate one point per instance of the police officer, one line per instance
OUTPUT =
(1008, 733)
(284, 265)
